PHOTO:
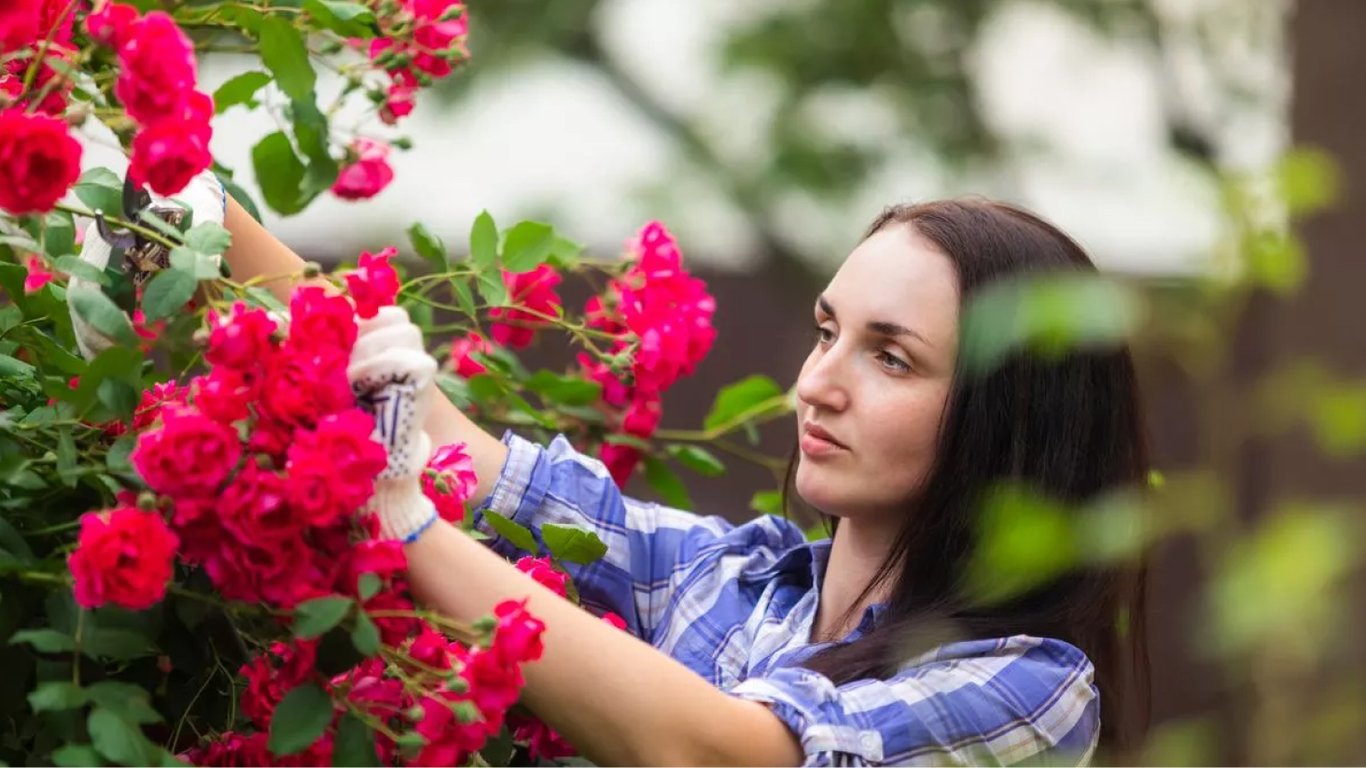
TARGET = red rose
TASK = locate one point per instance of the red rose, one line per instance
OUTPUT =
(534, 290)
(39, 161)
(462, 363)
(374, 283)
(125, 560)
(272, 674)
(517, 635)
(254, 507)
(332, 469)
(540, 569)
(169, 153)
(111, 24)
(301, 388)
(189, 455)
(158, 72)
(367, 175)
(18, 23)
(242, 340)
(319, 322)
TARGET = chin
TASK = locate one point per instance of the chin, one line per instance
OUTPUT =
(818, 491)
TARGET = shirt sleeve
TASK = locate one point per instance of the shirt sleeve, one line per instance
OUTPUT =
(986, 702)
(649, 546)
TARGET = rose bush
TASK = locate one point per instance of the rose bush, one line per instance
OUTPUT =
(186, 572)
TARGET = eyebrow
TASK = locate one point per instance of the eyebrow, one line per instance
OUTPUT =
(877, 326)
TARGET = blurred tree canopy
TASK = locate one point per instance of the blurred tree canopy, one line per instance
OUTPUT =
(916, 56)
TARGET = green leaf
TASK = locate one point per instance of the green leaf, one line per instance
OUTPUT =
(117, 644)
(315, 617)
(493, 289)
(564, 390)
(208, 237)
(279, 172)
(527, 246)
(300, 719)
(743, 399)
(10, 366)
(76, 755)
(670, 489)
(55, 696)
(1046, 315)
(484, 243)
(118, 739)
(428, 245)
(1309, 180)
(368, 585)
(767, 502)
(698, 459)
(313, 135)
(12, 542)
(461, 287)
(239, 90)
(284, 53)
(194, 263)
(74, 266)
(346, 19)
(124, 699)
(100, 189)
(365, 635)
(167, 293)
(44, 640)
(354, 744)
(59, 234)
(516, 534)
(572, 543)
(91, 305)
(1024, 540)
(66, 454)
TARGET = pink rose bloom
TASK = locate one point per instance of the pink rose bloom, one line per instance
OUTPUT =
(462, 363)
(255, 508)
(110, 25)
(517, 634)
(544, 573)
(535, 290)
(367, 175)
(225, 395)
(189, 455)
(374, 283)
(242, 339)
(300, 388)
(449, 481)
(158, 70)
(332, 469)
(320, 322)
(170, 152)
(125, 559)
(39, 161)
(38, 273)
(620, 460)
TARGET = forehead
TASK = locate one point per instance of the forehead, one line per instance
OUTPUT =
(898, 276)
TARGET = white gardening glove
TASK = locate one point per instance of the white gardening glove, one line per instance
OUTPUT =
(391, 375)
(204, 197)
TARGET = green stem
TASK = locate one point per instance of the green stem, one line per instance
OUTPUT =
(150, 234)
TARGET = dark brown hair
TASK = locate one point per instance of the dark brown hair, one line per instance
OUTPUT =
(1069, 427)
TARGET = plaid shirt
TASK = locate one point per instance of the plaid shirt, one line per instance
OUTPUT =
(735, 603)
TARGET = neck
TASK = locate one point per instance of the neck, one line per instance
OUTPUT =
(858, 549)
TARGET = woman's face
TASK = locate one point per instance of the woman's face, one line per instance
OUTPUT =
(872, 392)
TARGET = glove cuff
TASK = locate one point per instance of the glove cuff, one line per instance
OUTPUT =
(404, 510)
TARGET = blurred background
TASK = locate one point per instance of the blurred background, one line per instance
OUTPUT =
(1210, 152)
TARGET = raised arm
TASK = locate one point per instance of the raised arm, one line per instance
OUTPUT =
(255, 252)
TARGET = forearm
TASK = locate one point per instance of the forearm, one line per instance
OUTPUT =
(256, 252)
(619, 700)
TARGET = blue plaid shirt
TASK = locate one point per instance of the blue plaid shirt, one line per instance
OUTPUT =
(735, 603)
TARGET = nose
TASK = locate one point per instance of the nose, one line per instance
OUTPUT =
(820, 383)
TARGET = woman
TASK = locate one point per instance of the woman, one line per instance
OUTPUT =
(747, 644)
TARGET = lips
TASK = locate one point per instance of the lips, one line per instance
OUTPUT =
(816, 442)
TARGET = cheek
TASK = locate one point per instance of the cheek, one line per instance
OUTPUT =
(905, 433)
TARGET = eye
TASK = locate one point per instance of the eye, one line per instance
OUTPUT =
(824, 335)
(893, 363)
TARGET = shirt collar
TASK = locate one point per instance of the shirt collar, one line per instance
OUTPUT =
(808, 562)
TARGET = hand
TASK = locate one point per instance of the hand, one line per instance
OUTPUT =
(391, 375)
(204, 197)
